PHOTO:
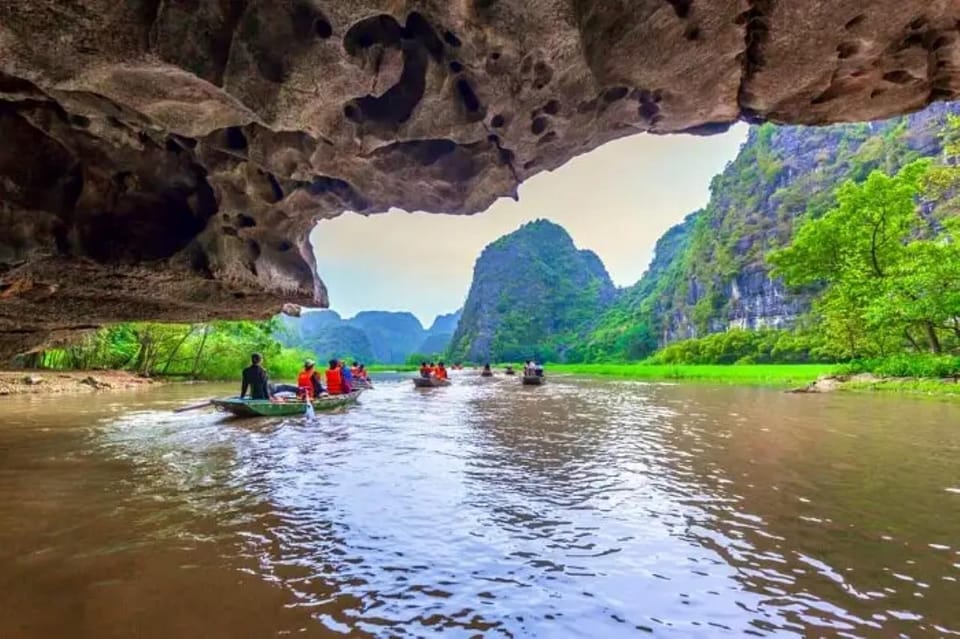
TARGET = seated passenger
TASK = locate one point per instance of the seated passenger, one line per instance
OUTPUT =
(347, 378)
(334, 378)
(441, 371)
(424, 370)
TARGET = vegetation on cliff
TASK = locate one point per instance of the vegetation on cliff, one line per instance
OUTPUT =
(804, 188)
(534, 294)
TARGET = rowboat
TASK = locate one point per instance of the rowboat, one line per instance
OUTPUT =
(509, 371)
(486, 374)
(429, 382)
(533, 380)
(271, 408)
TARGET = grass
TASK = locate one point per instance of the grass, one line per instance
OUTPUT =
(390, 368)
(782, 375)
(936, 388)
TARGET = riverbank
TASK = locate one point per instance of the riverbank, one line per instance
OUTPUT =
(775, 375)
(802, 378)
(27, 382)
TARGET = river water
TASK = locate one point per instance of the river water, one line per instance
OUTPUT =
(576, 509)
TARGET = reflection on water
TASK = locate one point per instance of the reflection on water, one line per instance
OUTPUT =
(485, 508)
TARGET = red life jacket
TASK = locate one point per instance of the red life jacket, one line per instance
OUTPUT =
(441, 373)
(334, 382)
(305, 383)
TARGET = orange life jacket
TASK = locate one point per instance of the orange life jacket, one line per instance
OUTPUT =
(441, 373)
(305, 383)
(334, 382)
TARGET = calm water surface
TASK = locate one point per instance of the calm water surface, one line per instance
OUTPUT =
(577, 509)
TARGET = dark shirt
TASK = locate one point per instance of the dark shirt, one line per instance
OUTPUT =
(317, 384)
(255, 378)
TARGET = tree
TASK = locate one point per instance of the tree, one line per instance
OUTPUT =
(891, 279)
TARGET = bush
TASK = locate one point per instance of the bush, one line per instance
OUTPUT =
(913, 365)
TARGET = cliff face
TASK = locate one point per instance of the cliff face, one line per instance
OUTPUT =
(533, 294)
(710, 273)
(166, 160)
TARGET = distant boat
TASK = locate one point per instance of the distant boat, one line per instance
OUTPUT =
(486, 373)
(429, 382)
(271, 408)
(509, 371)
(533, 380)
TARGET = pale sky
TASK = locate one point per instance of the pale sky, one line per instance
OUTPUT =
(616, 201)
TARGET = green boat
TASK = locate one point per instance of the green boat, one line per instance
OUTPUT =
(269, 408)
(429, 382)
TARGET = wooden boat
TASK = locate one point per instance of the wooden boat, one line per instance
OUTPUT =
(486, 374)
(533, 380)
(429, 382)
(509, 371)
(270, 408)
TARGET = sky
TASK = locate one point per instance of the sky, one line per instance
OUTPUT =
(616, 200)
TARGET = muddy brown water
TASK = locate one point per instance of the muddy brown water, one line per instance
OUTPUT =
(576, 509)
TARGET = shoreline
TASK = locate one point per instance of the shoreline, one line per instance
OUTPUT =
(38, 382)
(792, 378)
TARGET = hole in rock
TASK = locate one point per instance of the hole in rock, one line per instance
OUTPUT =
(692, 34)
(615, 93)
(456, 67)
(284, 246)
(552, 107)
(254, 248)
(847, 49)
(79, 121)
(539, 125)
(918, 23)
(275, 187)
(229, 230)
(498, 121)
(420, 30)
(235, 139)
(245, 221)
(550, 136)
(681, 8)
(854, 22)
(470, 99)
(322, 28)
(381, 29)
(450, 38)
(898, 77)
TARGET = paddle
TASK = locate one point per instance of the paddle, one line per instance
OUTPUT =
(184, 409)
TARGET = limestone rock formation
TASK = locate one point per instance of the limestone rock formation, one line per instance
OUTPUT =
(166, 158)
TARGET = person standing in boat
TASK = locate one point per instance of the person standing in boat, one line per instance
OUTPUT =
(255, 379)
(347, 377)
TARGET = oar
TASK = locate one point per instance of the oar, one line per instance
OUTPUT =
(184, 409)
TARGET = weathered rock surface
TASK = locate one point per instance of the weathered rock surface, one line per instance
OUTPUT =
(166, 158)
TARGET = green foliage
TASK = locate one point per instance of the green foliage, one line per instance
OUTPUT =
(779, 375)
(216, 351)
(739, 346)
(905, 365)
(890, 281)
(533, 295)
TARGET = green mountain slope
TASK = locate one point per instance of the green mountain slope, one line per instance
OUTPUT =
(533, 294)
(710, 273)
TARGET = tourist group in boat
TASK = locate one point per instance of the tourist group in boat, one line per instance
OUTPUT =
(337, 379)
